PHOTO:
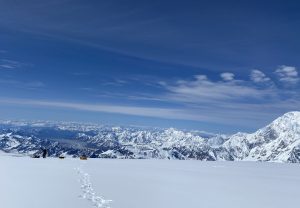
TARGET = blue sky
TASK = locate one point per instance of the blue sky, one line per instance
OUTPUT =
(207, 65)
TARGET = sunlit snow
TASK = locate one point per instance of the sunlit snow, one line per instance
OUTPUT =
(72, 183)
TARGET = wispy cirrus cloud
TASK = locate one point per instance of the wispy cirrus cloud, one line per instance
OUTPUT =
(22, 84)
(115, 82)
(226, 114)
(165, 113)
(8, 64)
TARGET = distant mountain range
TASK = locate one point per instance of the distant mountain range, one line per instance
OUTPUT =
(279, 141)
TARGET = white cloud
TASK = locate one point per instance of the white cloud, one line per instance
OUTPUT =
(287, 74)
(204, 90)
(235, 101)
(226, 76)
(258, 76)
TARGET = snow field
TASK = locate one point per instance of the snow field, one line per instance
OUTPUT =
(71, 183)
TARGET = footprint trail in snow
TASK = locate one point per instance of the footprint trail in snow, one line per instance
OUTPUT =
(88, 191)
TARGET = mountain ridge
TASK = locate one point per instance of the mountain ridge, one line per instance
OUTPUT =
(279, 141)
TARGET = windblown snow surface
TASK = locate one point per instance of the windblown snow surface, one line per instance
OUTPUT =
(71, 183)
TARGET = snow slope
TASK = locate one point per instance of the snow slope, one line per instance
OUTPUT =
(71, 183)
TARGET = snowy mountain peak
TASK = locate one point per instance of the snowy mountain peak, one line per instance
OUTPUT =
(289, 118)
(278, 141)
(292, 114)
(289, 121)
(286, 127)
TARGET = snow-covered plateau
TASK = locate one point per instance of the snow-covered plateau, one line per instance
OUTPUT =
(71, 183)
(278, 141)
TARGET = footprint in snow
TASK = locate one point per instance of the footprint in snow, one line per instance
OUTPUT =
(88, 191)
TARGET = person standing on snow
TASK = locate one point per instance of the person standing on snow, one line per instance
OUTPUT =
(45, 152)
